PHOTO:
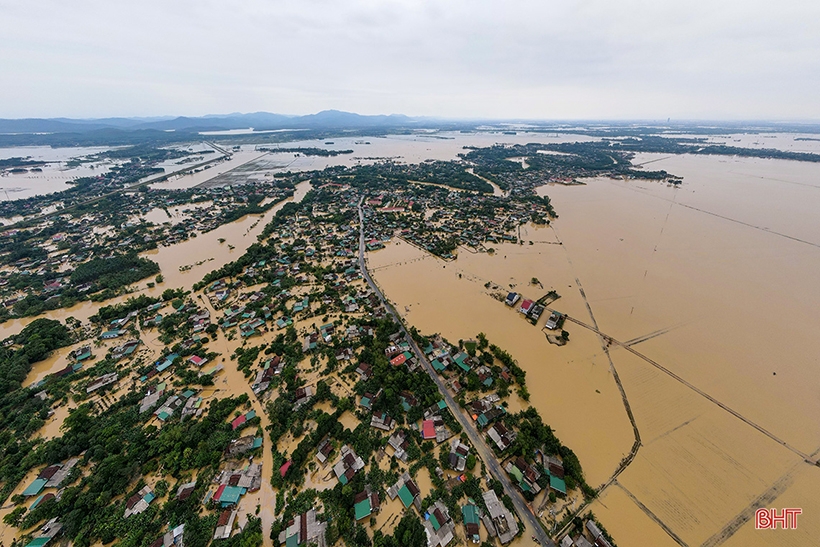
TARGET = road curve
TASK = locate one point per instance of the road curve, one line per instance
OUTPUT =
(522, 508)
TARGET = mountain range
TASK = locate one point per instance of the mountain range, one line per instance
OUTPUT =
(260, 121)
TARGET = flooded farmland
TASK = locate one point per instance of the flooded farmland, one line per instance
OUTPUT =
(702, 299)
(709, 281)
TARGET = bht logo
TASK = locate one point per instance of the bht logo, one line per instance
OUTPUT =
(769, 519)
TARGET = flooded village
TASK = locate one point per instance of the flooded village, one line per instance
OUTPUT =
(481, 345)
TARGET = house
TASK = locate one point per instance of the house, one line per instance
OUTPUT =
(102, 381)
(596, 534)
(242, 445)
(525, 474)
(364, 371)
(185, 490)
(108, 335)
(526, 306)
(365, 503)
(81, 354)
(197, 360)
(49, 531)
(382, 421)
(224, 525)
(239, 421)
(302, 395)
(428, 430)
(304, 529)
(323, 450)
(139, 502)
(407, 491)
(553, 320)
(512, 298)
(438, 526)
(501, 520)
(458, 455)
(348, 465)
(469, 514)
(398, 441)
(501, 436)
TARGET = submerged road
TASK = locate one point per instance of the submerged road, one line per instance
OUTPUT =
(521, 507)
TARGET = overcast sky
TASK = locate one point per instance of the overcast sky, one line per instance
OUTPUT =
(545, 59)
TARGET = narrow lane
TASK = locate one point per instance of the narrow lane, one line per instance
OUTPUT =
(521, 506)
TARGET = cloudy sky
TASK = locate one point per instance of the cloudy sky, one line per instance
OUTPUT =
(545, 59)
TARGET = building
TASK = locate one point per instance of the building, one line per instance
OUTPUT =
(304, 529)
(438, 525)
(553, 320)
(469, 514)
(458, 455)
(365, 503)
(407, 491)
(503, 522)
(348, 465)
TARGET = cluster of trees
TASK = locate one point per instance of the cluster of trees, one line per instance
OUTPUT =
(120, 448)
(535, 435)
(114, 272)
(21, 413)
(448, 173)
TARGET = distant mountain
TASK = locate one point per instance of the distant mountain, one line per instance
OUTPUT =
(327, 119)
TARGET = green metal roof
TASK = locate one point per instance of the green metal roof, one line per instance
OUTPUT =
(470, 514)
(362, 509)
(230, 495)
(434, 521)
(515, 472)
(442, 404)
(405, 496)
(35, 487)
(558, 484)
(38, 542)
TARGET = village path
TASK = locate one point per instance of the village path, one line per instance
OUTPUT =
(533, 526)
(233, 383)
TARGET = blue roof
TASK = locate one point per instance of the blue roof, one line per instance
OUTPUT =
(35, 487)
(558, 484)
(231, 495)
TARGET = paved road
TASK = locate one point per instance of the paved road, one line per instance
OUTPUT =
(524, 510)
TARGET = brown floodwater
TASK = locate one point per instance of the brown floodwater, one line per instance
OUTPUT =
(716, 282)
(203, 253)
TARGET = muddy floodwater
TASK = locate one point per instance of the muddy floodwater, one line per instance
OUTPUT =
(203, 253)
(701, 300)
(709, 293)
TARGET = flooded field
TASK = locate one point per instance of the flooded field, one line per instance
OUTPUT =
(702, 300)
(709, 291)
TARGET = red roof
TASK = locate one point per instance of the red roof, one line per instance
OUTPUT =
(398, 360)
(238, 421)
(219, 492)
(527, 304)
(428, 429)
(284, 468)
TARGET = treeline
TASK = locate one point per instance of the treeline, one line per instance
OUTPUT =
(448, 173)
(114, 272)
(21, 413)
